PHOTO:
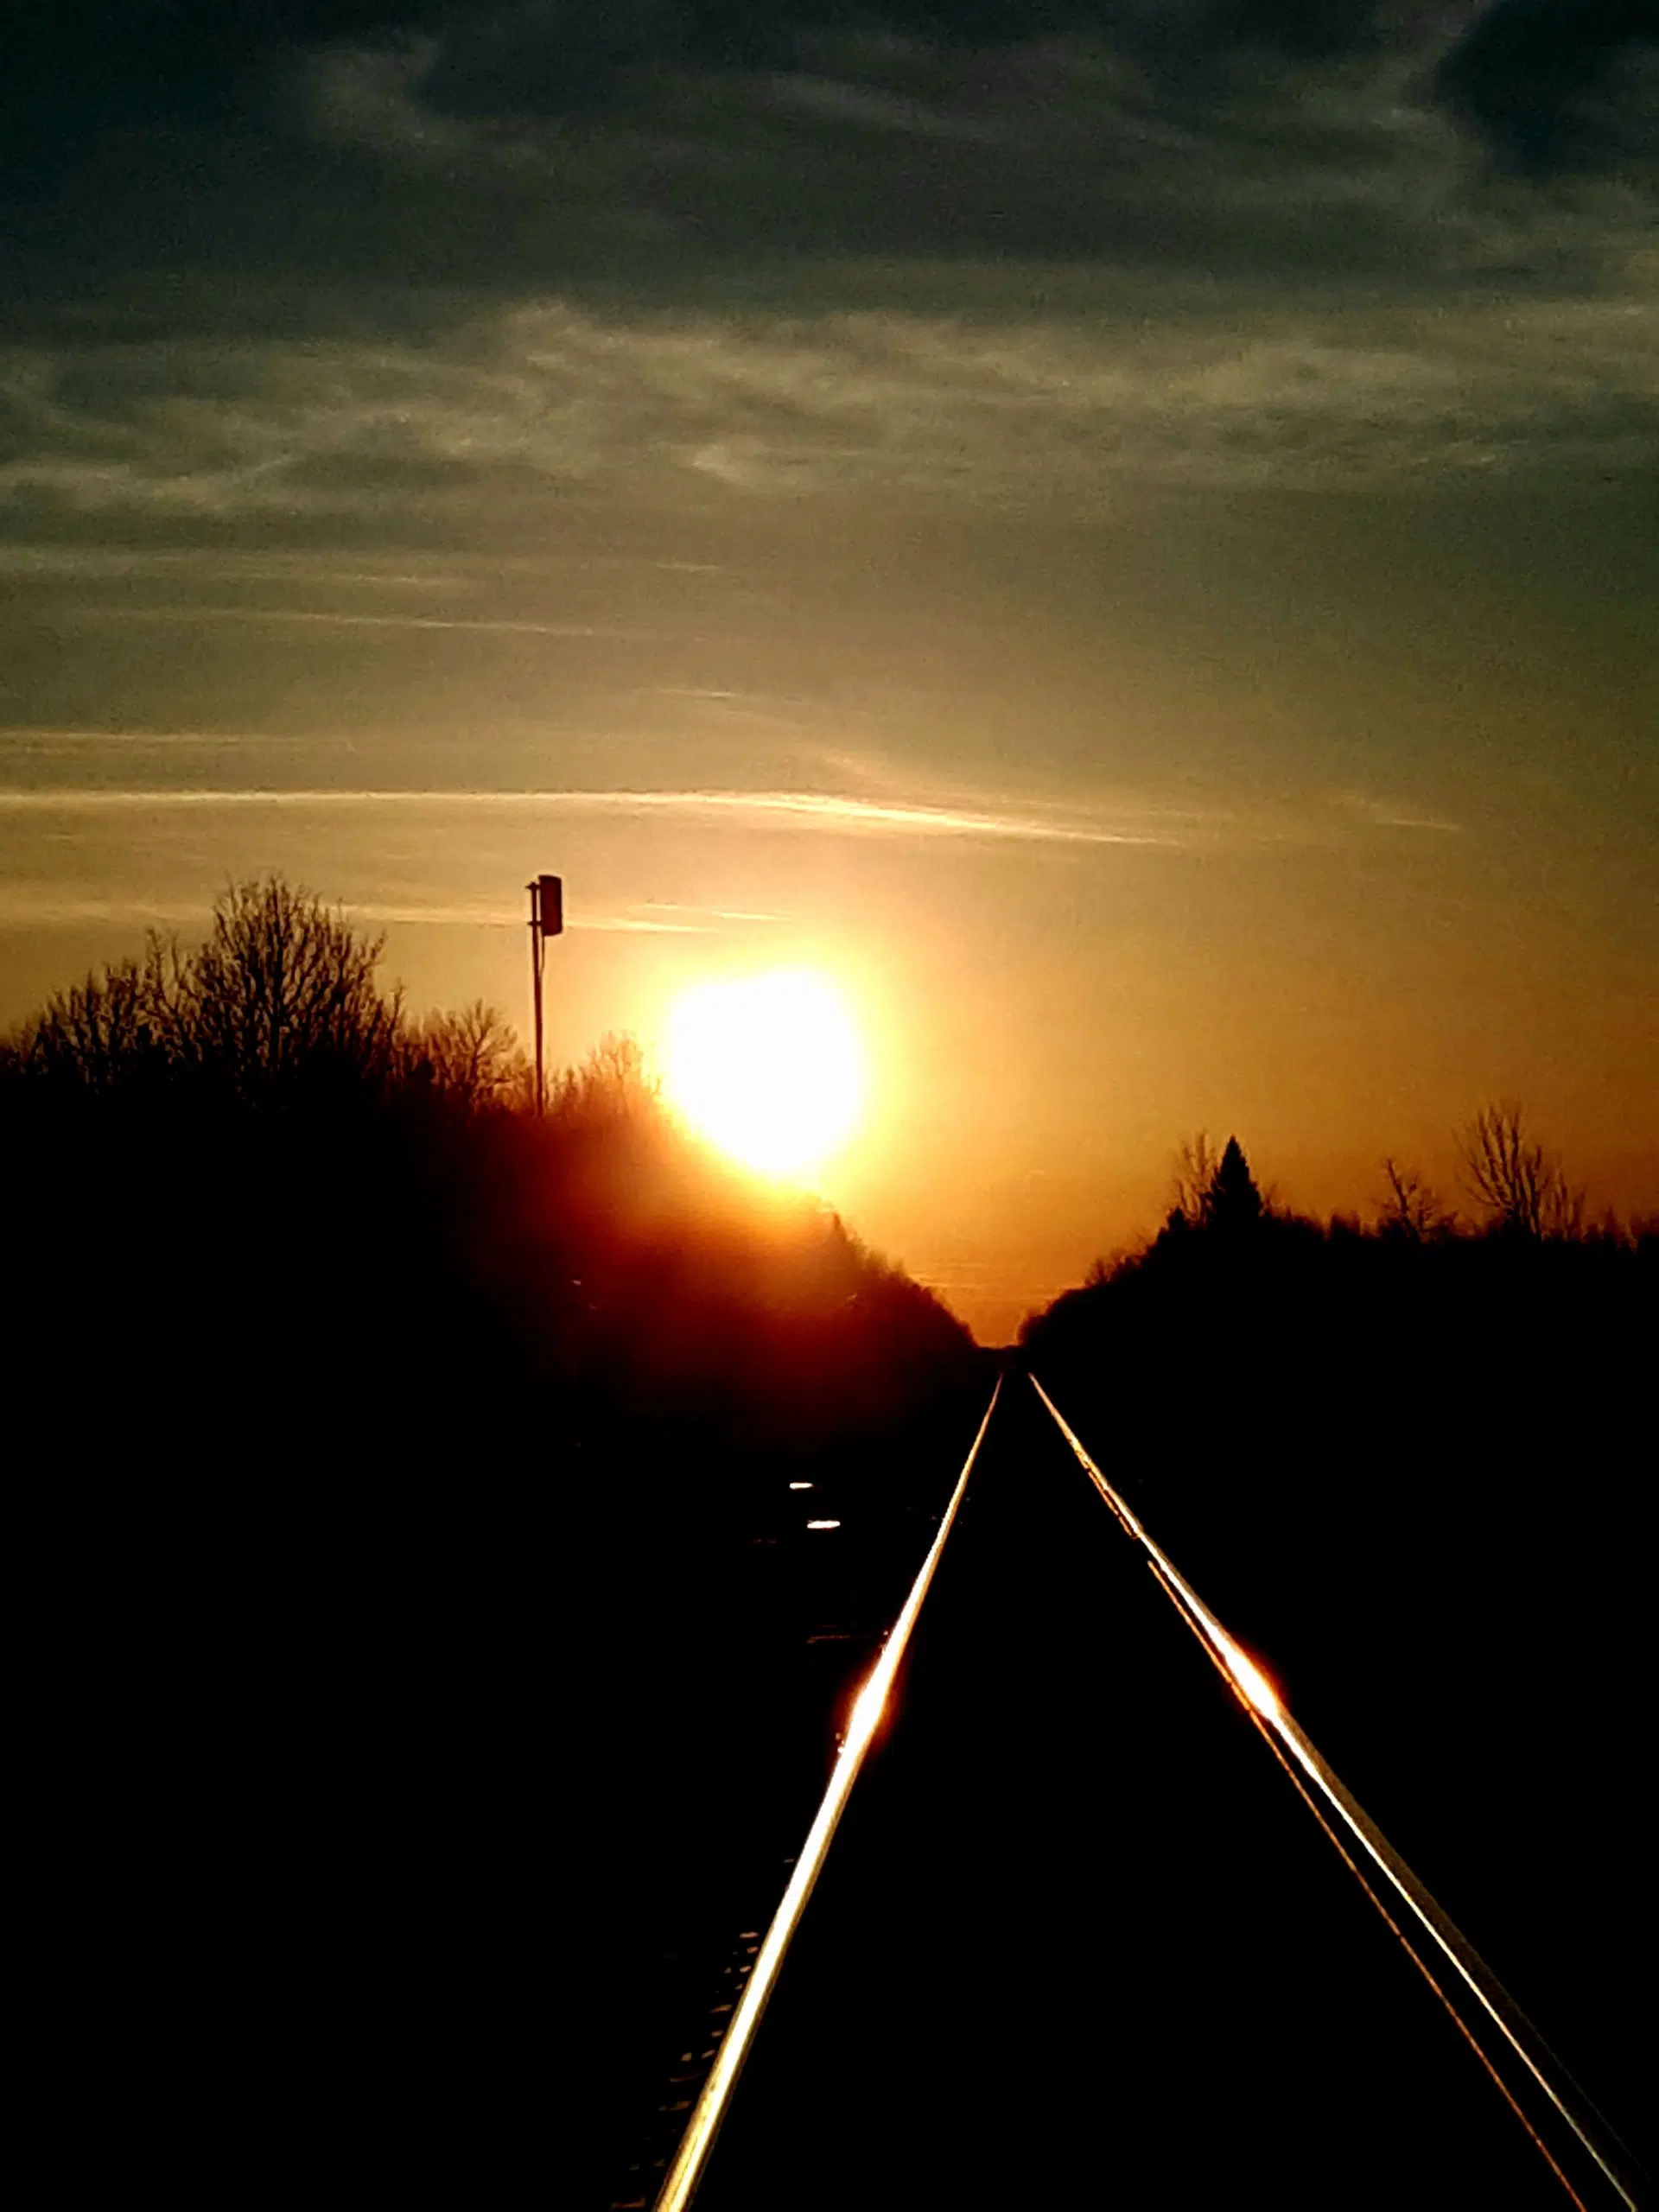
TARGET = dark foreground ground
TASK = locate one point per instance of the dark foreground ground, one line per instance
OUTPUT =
(387, 1818)
(416, 1860)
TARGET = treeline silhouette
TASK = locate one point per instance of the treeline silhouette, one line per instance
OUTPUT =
(421, 1655)
(361, 1224)
(1411, 1465)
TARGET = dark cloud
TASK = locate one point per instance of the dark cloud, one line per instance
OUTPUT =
(182, 131)
(1529, 74)
(129, 129)
(276, 259)
(1539, 78)
(84, 68)
(545, 57)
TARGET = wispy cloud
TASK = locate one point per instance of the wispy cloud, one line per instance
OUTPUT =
(1035, 272)
(40, 907)
(820, 810)
(25, 907)
(713, 914)
(1391, 814)
(334, 618)
(492, 914)
(1131, 820)
(1136, 378)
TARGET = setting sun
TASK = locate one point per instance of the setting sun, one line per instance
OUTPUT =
(768, 1067)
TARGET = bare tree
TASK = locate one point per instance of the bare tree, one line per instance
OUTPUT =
(98, 1033)
(612, 1085)
(1216, 1189)
(1408, 1209)
(1565, 1209)
(472, 1057)
(1196, 1165)
(284, 990)
(1518, 1184)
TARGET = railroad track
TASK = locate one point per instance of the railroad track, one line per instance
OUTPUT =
(1361, 2080)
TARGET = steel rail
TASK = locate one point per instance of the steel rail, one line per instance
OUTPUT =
(1314, 1777)
(686, 2169)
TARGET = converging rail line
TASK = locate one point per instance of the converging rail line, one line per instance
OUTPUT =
(1522, 2065)
(686, 2169)
(1320, 1788)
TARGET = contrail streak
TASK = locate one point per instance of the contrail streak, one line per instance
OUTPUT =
(333, 618)
(825, 810)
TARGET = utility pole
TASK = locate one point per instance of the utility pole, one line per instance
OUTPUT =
(546, 920)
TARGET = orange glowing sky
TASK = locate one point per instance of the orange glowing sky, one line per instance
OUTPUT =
(1209, 682)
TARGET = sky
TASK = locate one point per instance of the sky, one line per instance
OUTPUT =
(1127, 535)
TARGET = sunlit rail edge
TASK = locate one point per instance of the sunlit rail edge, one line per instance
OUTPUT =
(1296, 1752)
(686, 2169)
(1373, 1892)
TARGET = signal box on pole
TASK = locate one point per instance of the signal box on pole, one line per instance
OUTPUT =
(546, 920)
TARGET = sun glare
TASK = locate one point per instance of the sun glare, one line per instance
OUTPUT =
(767, 1067)
(1251, 1679)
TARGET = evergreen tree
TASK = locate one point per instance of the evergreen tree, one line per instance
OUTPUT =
(1232, 1201)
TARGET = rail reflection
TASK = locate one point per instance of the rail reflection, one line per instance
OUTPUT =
(679, 2184)
(1382, 1872)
